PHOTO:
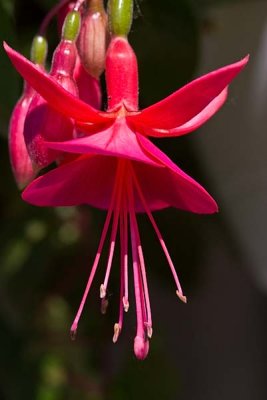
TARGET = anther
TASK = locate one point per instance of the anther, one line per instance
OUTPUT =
(149, 330)
(102, 292)
(117, 331)
(126, 304)
(181, 296)
(73, 331)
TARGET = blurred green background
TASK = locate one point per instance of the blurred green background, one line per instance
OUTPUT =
(213, 348)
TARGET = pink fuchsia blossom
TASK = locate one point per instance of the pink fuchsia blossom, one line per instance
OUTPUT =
(120, 170)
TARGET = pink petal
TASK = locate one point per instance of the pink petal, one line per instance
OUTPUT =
(43, 123)
(87, 180)
(90, 180)
(171, 186)
(118, 141)
(52, 92)
(190, 101)
(190, 125)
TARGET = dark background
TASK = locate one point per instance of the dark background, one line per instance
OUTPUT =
(215, 347)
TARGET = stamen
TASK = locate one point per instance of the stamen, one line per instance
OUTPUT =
(148, 322)
(126, 304)
(118, 326)
(124, 242)
(149, 331)
(117, 331)
(102, 292)
(103, 287)
(137, 283)
(74, 326)
(160, 238)
(140, 344)
(181, 297)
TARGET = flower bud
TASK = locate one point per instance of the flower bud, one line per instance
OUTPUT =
(92, 41)
(39, 50)
(120, 16)
(71, 26)
(21, 163)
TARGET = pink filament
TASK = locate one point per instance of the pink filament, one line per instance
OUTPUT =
(113, 236)
(98, 254)
(138, 284)
(161, 240)
(125, 257)
(142, 269)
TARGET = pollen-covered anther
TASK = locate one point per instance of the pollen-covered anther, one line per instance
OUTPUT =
(117, 331)
(149, 330)
(73, 331)
(102, 292)
(126, 304)
(104, 306)
(181, 297)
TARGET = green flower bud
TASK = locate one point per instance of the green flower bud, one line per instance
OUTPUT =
(71, 26)
(39, 50)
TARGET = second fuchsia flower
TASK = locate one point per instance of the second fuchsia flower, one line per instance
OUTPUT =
(119, 169)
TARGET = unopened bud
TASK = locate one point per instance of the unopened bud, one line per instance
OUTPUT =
(71, 26)
(92, 42)
(39, 50)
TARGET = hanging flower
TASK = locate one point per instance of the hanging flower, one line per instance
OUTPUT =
(118, 168)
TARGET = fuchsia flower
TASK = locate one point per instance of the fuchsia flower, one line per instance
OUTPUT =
(117, 168)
